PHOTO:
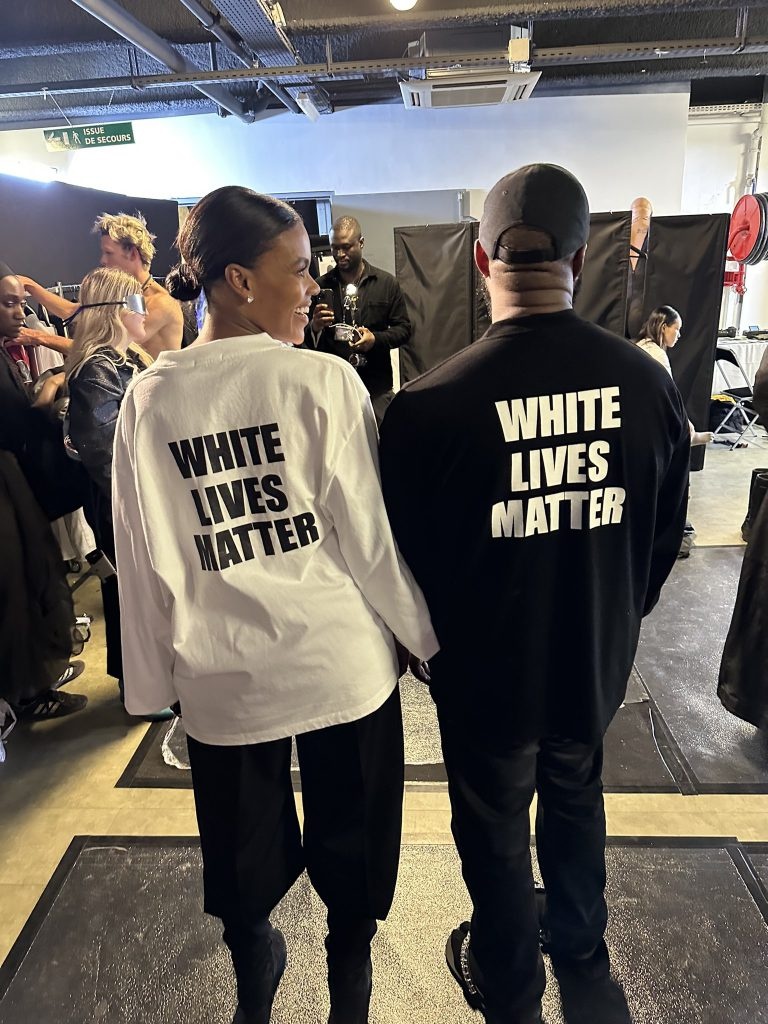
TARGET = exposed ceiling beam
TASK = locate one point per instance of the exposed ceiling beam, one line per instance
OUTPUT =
(212, 22)
(545, 57)
(119, 20)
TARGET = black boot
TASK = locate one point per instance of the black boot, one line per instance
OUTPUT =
(757, 489)
(350, 971)
(258, 957)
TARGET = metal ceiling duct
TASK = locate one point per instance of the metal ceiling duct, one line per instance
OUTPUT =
(254, 21)
(213, 23)
(130, 28)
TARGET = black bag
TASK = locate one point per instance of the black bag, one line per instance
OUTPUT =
(59, 484)
(719, 409)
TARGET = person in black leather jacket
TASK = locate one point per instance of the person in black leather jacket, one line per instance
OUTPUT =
(99, 368)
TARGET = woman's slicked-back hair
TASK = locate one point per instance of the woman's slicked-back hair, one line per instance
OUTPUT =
(231, 225)
(661, 317)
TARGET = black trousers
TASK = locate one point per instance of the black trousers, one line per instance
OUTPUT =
(352, 794)
(491, 787)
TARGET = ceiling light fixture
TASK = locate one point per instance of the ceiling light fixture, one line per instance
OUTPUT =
(304, 100)
(403, 5)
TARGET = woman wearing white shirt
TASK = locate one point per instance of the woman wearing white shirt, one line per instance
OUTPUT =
(661, 332)
(260, 586)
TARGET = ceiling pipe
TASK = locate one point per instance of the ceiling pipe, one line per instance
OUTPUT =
(656, 55)
(130, 28)
(212, 22)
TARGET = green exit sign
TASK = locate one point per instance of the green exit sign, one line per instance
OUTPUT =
(92, 136)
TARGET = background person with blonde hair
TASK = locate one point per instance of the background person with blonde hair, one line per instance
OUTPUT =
(127, 245)
(99, 367)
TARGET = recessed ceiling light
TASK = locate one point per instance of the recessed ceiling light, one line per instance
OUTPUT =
(403, 5)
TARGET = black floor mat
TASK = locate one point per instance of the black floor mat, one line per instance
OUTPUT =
(673, 735)
(759, 859)
(681, 644)
(638, 757)
(119, 937)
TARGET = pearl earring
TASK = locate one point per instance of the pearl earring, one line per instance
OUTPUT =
(250, 298)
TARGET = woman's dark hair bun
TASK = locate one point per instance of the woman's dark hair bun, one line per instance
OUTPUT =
(183, 283)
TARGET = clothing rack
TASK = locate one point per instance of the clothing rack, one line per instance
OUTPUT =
(60, 288)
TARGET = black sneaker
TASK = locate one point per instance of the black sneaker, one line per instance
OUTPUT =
(52, 704)
(279, 959)
(350, 993)
(588, 992)
(457, 958)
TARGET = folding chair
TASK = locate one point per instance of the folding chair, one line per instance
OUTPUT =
(742, 397)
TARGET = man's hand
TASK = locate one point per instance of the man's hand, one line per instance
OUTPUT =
(322, 317)
(420, 669)
(33, 338)
(366, 342)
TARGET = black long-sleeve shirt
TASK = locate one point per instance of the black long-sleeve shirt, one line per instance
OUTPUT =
(380, 308)
(536, 483)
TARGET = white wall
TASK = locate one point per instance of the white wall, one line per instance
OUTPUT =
(386, 148)
(717, 164)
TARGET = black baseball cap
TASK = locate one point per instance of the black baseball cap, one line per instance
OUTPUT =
(541, 196)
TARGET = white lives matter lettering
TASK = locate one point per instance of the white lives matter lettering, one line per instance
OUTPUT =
(559, 466)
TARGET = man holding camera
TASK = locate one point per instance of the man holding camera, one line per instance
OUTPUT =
(359, 314)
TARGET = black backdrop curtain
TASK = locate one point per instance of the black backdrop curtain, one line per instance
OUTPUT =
(443, 292)
(46, 228)
(684, 268)
(602, 295)
(686, 258)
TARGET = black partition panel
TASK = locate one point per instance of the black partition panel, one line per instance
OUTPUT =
(686, 259)
(45, 228)
(602, 291)
(443, 292)
(683, 268)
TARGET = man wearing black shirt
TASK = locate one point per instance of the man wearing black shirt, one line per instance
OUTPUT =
(536, 483)
(378, 308)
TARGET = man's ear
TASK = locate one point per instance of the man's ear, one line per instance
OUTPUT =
(481, 260)
(578, 261)
(362, 241)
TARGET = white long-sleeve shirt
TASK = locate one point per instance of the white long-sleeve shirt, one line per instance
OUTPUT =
(259, 580)
(656, 352)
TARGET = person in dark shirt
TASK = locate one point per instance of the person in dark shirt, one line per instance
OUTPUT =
(36, 630)
(536, 484)
(377, 307)
(29, 429)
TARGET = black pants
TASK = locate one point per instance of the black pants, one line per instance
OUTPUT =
(352, 793)
(381, 404)
(491, 787)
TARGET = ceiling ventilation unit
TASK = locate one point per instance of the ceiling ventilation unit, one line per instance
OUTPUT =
(471, 87)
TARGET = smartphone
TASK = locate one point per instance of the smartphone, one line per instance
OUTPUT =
(325, 297)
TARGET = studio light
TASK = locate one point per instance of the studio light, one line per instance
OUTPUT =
(403, 5)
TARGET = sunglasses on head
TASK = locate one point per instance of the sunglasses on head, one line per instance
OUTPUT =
(133, 303)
